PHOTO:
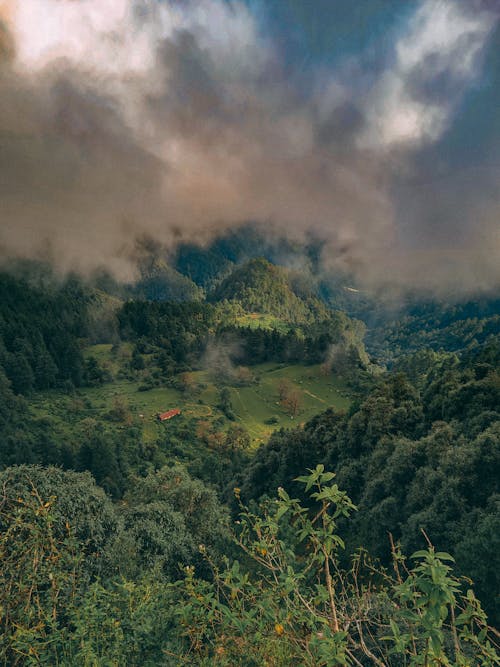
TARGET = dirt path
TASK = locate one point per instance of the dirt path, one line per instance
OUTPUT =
(309, 393)
(194, 410)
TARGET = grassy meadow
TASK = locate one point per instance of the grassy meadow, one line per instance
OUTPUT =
(256, 407)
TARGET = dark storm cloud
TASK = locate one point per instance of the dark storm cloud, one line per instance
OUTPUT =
(177, 120)
(71, 175)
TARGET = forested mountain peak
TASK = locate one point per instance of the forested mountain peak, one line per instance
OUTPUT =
(261, 287)
(158, 281)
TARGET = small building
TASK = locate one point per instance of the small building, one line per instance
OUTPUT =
(165, 416)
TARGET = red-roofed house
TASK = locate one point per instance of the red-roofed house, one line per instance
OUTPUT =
(164, 416)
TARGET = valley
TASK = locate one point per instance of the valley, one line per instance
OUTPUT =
(270, 386)
(256, 407)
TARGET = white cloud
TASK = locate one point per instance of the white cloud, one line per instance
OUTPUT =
(443, 39)
(121, 36)
(91, 34)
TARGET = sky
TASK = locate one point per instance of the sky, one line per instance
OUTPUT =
(372, 126)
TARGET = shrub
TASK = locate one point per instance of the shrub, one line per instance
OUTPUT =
(296, 606)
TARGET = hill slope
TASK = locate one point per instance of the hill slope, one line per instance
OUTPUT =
(260, 287)
(161, 282)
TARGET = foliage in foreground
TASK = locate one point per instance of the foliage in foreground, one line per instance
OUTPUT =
(288, 602)
(299, 608)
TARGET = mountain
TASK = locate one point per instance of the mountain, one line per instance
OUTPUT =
(433, 325)
(261, 287)
(161, 282)
(208, 265)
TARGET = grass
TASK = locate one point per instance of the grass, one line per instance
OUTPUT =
(253, 405)
(110, 361)
(256, 404)
(263, 321)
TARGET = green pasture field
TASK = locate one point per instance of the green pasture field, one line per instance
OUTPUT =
(253, 405)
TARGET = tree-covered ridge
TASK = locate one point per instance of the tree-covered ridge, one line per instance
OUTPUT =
(434, 326)
(396, 325)
(178, 334)
(177, 328)
(159, 281)
(206, 267)
(209, 264)
(261, 287)
(39, 333)
(335, 342)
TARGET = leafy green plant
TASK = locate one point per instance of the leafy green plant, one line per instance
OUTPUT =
(293, 604)
(38, 580)
(287, 602)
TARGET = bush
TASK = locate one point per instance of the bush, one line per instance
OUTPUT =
(296, 606)
(289, 602)
(272, 420)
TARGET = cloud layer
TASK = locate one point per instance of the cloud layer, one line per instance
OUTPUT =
(178, 120)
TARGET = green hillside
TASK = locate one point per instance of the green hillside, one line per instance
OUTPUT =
(161, 282)
(256, 407)
(434, 325)
(109, 513)
(261, 287)
(208, 265)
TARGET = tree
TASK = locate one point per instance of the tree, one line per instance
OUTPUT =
(237, 439)
(41, 565)
(53, 610)
(120, 410)
(75, 499)
(95, 375)
(188, 383)
(293, 403)
(284, 388)
(166, 516)
(225, 403)
(20, 374)
(45, 369)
